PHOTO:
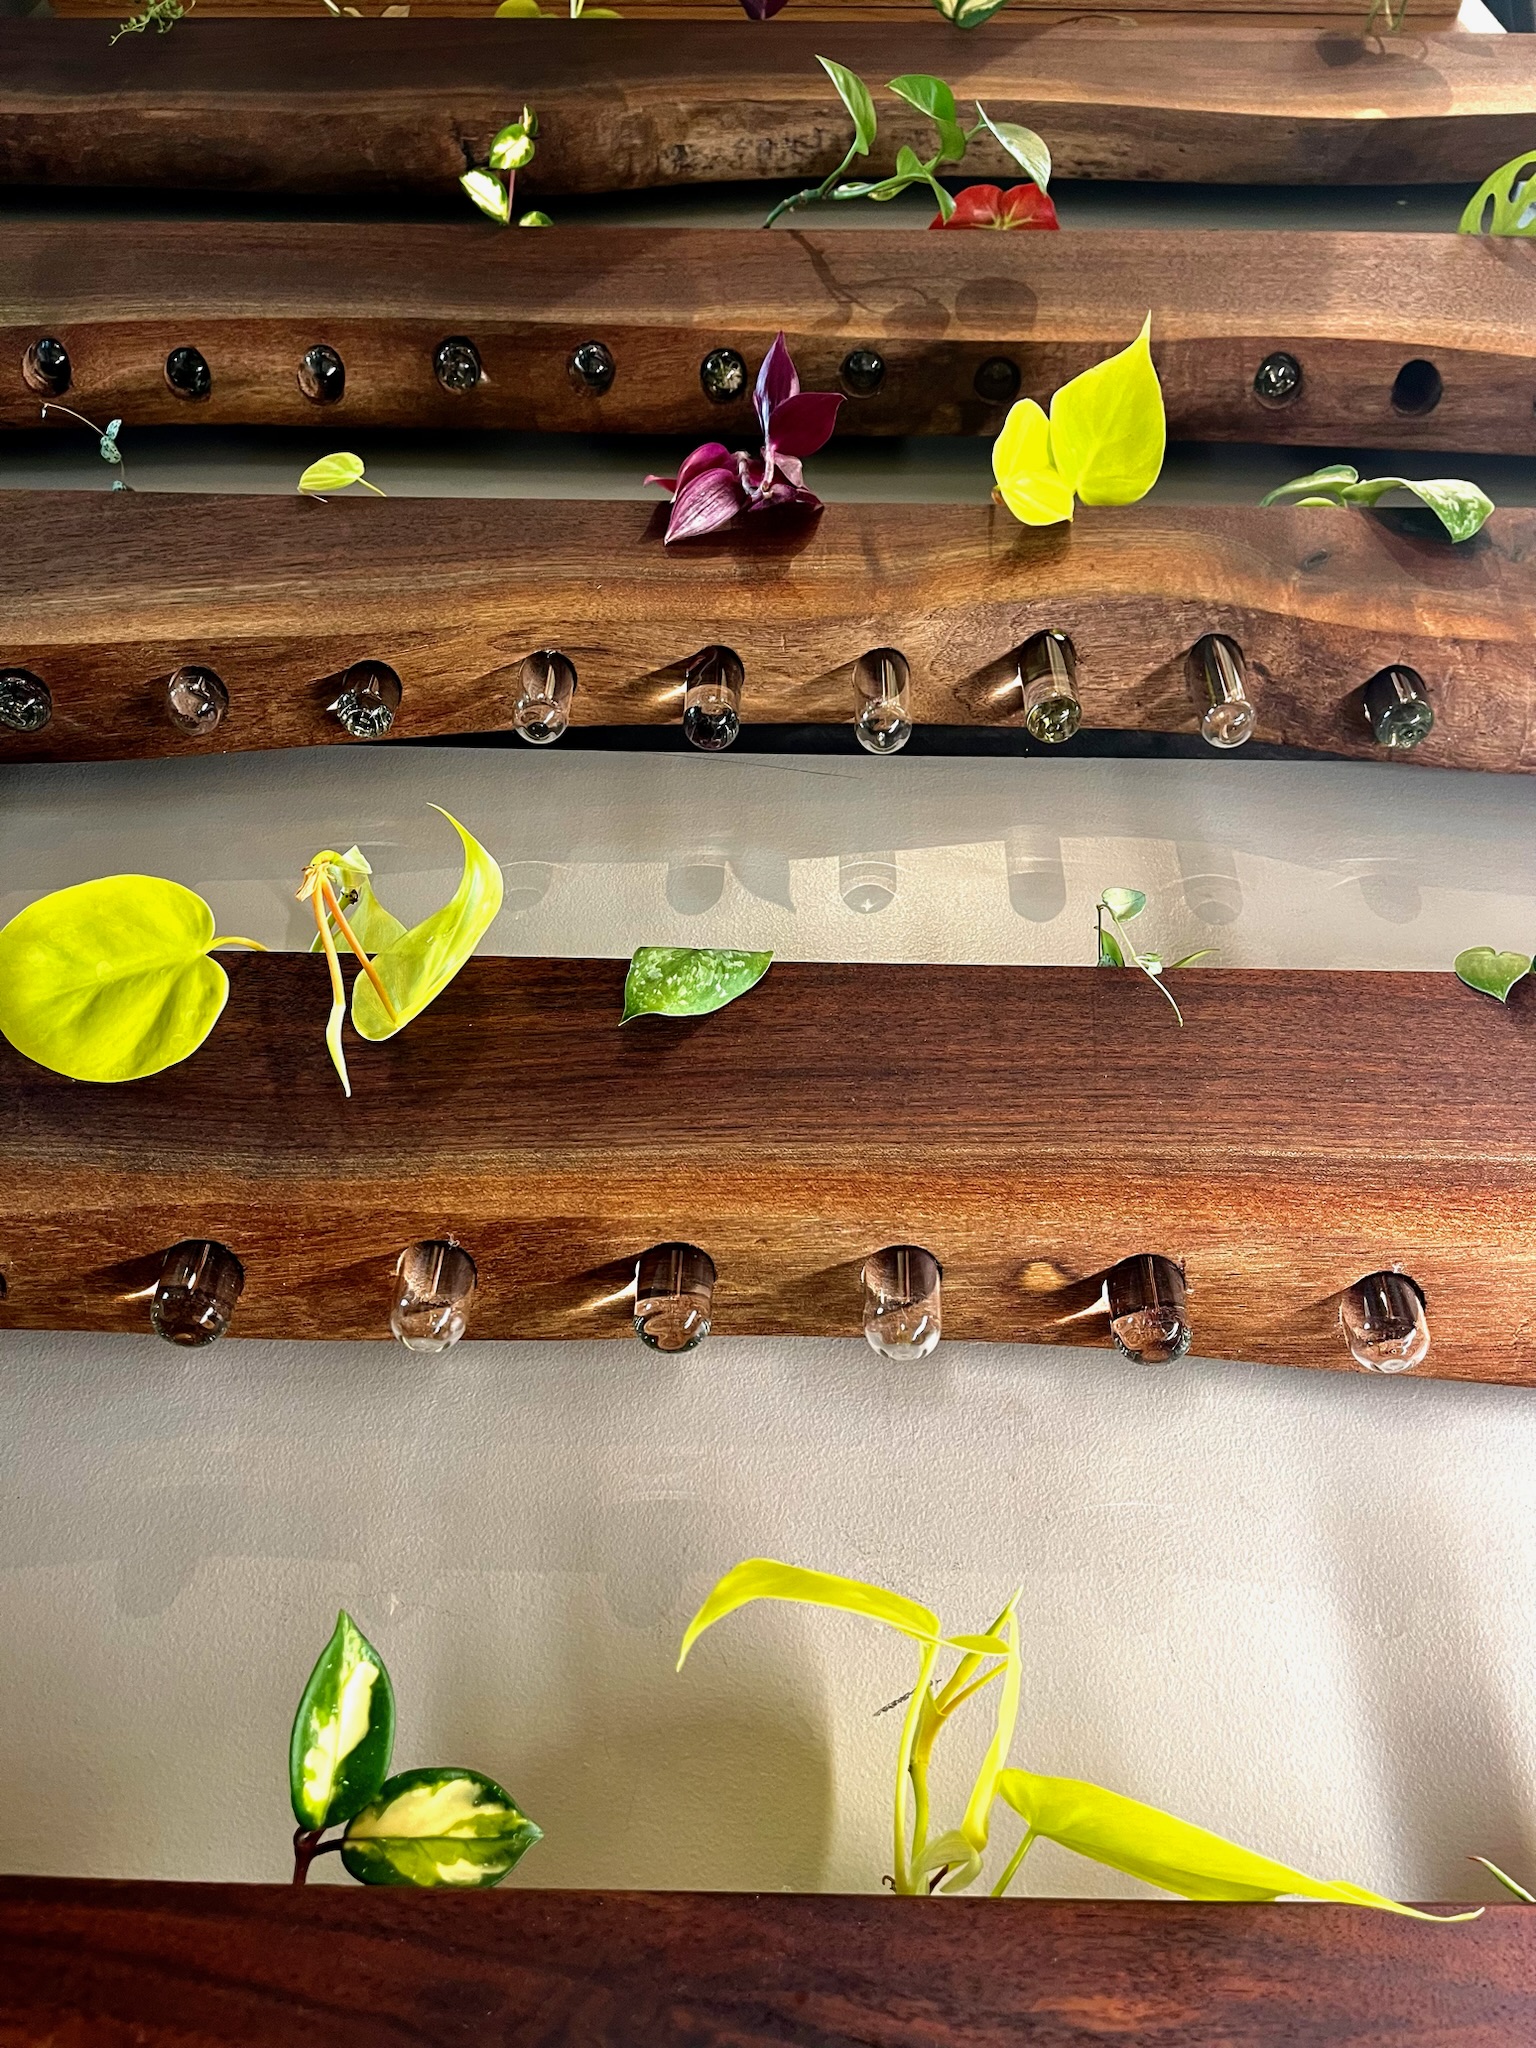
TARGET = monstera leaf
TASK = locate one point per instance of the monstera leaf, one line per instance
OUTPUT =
(437, 1827)
(343, 1733)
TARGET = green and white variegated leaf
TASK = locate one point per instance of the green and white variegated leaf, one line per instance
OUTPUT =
(437, 1826)
(343, 1733)
(1028, 150)
(418, 965)
(374, 926)
(1492, 973)
(688, 981)
(489, 194)
(855, 96)
(1125, 903)
(1460, 507)
(1329, 482)
(512, 149)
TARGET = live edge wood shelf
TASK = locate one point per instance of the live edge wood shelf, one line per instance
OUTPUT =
(1030, 1126)
(395, 106)
(106, 594)
(115, 1965)
(960, 324)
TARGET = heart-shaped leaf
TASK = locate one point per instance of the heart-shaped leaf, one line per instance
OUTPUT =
(1108, 428)
(1490, 973)
(1125, 903)
(930, 96)
(111, 980)
(1028, 150)
(1027, 481)
(1332, 479)
(438, 1826)
(512, 148)
(1460, 507)
(688, 981)
(855, 96)
(416, 967)
(332, 473)
(343, 1732)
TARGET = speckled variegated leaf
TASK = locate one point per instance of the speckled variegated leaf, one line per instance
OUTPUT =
(438, 1826)
(688, 981)
(343, 1733)
(1460, 507)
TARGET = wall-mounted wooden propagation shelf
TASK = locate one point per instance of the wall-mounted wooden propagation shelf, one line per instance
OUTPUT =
(106, 594)
(264, 1966)
(1031, 1127)
(385, 107)
(1345, 14)
(1393, 340)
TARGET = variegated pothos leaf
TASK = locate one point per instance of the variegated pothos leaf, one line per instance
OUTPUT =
(343, 1733)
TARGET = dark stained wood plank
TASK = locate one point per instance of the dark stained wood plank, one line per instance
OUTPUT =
(123, 1965)
(1029, 1126)
(1436, 14)
(393, 106)
(253, 297)
(107, 593)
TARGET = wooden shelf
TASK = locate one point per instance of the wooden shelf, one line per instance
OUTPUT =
(1031, 1127)
(1428, 14)
(252, 297)
(107, 593)
(121, 1965)
(288, 106)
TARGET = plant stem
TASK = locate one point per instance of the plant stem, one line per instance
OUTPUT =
(1013, 1864)
(812, 193)
(353, 941)
(920, 1692)
(306, 1847)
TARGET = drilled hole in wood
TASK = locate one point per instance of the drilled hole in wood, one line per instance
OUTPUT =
(1416, 388)
(45, 368)
(188, 374)
(322, 375)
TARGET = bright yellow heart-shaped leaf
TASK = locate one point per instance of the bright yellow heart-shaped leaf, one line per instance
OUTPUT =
(1108, 428)
(1030, 485)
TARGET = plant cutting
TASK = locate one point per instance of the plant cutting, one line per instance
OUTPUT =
(1492, 973)
(1505, 202)
(491, 184)
(335, 473)
(1103, 441)
(989, 206)
(930, 96)
(1460, 507)
(433, 1827)
(1526, 1898)
(159, 14)
(106, 441)
(1115, 948)
(688, 981)
(713, 485)
(1123, 1834)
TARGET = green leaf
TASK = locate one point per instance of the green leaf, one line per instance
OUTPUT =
(855, 96)
(537, 219)
(1028, 150)
(1490, 973)
(931, 96)
(1108, 430)
(418, 966)
(111, 980)
(512, 148)
(970, 13)
(1508, 1883)
(1512, 198)
(1110, 954)
(523, 10)
(489, 194)
(338, 1753)
(1144, 1842)
(1333, 478)
(332, 473)
(688, 981)
(1189, 959)
(1124, 903)
(438, 1826)
(1460, 507)
(764, 1578)
(374, 926)
(1030, 486)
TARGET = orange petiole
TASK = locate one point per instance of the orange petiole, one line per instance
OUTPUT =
(351, 938)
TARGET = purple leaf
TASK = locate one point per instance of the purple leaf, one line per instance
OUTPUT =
(668, 483)
(708, 455)
(708, 499)
(762, 10)
(804, 423)
(776, 383)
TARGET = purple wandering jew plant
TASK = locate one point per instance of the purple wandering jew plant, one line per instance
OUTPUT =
(713, 485)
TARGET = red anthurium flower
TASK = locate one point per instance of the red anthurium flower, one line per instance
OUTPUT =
(988, 206)
(713, 485)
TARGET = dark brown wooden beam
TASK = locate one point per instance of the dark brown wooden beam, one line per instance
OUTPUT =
(117, 1965)
(387, 107)
(253, 298)
(1031, 1127)
(105, 594)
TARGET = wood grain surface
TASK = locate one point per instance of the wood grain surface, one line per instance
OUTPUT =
(106, 593)
(1030, 1127)
(124, 1965)
(1427, 14)
(401, 106)
(253, 298)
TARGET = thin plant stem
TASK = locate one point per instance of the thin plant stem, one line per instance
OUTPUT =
(328, 945)
(948, 1704)
(353, 941)
(903, 1864)
(1013, 1864)
(255, 944)
(812, 193)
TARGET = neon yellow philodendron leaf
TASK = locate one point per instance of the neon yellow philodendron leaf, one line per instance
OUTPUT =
(376, 927)
(343, 1732)
(764, 1578)
(1108, 428)
(964, 1847)
(1027, 481)
(438, 1827)
(419, 965)
(111, 980)
(1142, 1841)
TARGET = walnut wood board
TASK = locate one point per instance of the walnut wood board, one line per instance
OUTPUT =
(134, 1965)
(401, 106)
(107, 593)
(253, 298)
(1030, 1126)
(1290, 13)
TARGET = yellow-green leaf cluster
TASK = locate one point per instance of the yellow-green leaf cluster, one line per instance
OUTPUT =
(1103, 441)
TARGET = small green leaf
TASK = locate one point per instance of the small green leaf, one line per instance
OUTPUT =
(438, 1826)
(1189, 959)
(1508, 1883)
(971, 13)
(1124, 903)
(688, 981)
(1333, 478)
(1030, 486)
(1490, 973)
(489, 194)
(1110, 954)
(542, 220)
(855, 96)
(1028, 150)
(1108, 429)
(512, 148)
(521, 10)
(343, 1732)
(1460, 507)
(332, 473)
(374, 926)
(931, 96)
(111, 980)
(418, 966)
(1511, 196)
